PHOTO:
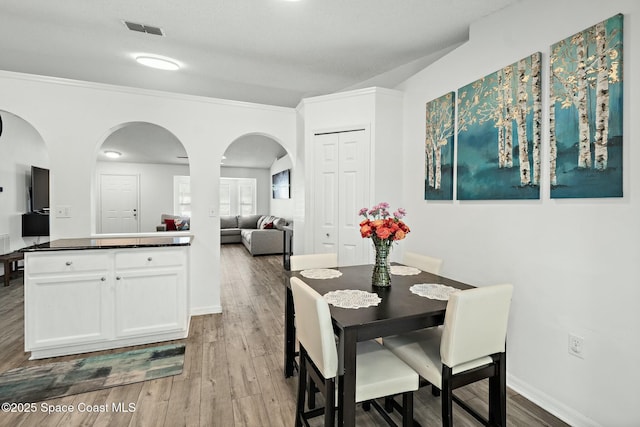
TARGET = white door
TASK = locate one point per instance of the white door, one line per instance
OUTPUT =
(342, 188)
(119, 203)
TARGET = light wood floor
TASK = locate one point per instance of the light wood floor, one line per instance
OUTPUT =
(233, 367)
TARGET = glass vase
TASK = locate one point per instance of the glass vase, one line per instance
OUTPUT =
(381, 277)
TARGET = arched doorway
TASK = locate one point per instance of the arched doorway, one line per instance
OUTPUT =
(142, 180)
(22, 150)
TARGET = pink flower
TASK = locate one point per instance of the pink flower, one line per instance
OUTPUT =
(362, 211)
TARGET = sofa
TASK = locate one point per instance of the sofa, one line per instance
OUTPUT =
(260, 234)
(173, 223)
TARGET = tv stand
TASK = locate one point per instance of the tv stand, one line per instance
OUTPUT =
(35, 224)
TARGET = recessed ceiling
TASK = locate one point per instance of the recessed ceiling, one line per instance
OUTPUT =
(268, 51)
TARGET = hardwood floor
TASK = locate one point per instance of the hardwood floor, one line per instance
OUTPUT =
(233, 368)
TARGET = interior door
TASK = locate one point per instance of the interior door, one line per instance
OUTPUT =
(341, 172)
(119, 204)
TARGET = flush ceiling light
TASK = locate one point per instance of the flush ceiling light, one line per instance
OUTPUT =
(112, 154)
(158, 62)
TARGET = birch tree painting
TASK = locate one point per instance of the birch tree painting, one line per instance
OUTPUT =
(438, 148)
(585, 153)
(499, 118)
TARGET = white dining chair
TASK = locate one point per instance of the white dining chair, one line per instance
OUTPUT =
(470, 346)
(378, 372)
(423, 262)
(307, 261)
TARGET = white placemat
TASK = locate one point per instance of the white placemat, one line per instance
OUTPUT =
(403, 270)
(351, 298)
(321, 273)
(433, 290)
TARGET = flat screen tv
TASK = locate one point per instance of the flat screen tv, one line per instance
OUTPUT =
(280, 184)
(39, 189)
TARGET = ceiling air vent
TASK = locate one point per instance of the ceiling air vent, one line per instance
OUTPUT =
(144, 28)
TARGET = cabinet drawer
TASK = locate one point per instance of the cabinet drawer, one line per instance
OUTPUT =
(145, 259)
(65, 262)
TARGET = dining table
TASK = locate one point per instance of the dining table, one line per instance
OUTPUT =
(399, 310)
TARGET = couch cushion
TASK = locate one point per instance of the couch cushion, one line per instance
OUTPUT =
(279, 223)
(230, 232)
(229, 221)
(248, 221)
(267, 219)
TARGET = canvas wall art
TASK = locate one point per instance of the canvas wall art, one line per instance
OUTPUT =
(438, 148)
(585, 116)
(498, 127)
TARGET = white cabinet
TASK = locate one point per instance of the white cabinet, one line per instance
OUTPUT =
(150, 296)
(86, 300)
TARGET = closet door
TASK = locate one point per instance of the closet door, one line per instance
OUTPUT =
(342, 187)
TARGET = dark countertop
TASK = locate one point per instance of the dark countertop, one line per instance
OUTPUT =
(109, 243)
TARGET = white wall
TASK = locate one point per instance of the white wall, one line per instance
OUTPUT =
(75, 117)
(20, 148)
(377, 110)
(155, 182)
(574, 263)
(283, 208)
(263, 184)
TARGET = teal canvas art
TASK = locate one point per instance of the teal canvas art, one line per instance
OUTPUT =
(499, 134)
(438, 148)
(585, 115)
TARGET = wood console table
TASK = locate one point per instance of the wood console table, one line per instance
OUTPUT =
(10, 262)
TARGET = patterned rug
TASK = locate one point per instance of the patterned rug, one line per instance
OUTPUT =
(37, 383)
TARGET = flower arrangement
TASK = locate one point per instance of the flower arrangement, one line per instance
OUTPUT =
(383, 228)
(380, 224)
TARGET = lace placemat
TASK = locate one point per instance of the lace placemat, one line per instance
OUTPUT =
(433, 290)
(321, 273)
(351, 298)
(403, 270)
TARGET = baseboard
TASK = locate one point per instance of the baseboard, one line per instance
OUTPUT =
(549, 404)
(199, 311)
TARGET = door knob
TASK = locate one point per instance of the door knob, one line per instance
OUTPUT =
(68, 263)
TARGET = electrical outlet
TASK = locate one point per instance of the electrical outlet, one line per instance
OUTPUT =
(576, 346)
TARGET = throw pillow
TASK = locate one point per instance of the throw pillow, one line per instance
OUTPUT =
(171, 224)
(268, 226)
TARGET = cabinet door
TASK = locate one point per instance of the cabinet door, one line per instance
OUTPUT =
(68, 309)
(150, 301)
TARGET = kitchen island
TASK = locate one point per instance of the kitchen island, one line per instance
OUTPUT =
(94, 294)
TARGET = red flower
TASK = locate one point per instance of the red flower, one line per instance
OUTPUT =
(365, 231)
(383, 233)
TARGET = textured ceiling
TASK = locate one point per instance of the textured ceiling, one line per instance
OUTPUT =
(273, 52)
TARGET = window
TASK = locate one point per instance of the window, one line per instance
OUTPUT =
(238, 196)
(182, 196)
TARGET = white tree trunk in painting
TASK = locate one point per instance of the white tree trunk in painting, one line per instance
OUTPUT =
(428, 151)
(521, 123)
(438, 155)
(508, 130)
(584, 145)
(602, 99)
(553, 146)
(537, 112)
(501, 140)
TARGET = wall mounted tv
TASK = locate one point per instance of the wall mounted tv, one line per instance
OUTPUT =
(280, 183)
(39, 189)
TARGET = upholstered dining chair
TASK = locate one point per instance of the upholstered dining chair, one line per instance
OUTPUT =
(423, 262)
(378, 372)
(470, 346)
(307, 261)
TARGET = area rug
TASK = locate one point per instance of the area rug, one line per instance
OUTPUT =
(37, 383)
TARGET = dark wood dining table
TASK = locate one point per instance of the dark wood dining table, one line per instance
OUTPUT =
(399, 311)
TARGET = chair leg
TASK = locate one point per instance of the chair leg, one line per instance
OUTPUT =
(498, 393)
(447, 397)
(435, 391)
(302, 379)
(366, 406)
(330, 403)
(388, 404)
(407, 409)
(311, 401)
